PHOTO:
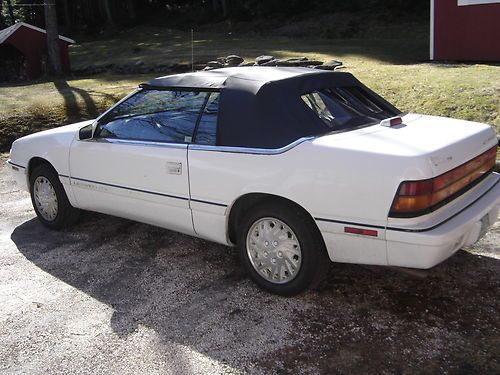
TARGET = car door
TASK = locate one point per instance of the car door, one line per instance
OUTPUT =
(207, 176)
(135, 166)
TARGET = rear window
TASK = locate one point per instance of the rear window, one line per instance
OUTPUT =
(344, 108)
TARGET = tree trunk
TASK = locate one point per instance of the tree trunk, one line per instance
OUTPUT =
(131, 9)
(2, 21)
(52, 38)
(109, 15)
(224, 7)
(11, 12)
(220, 5)
(67, 15)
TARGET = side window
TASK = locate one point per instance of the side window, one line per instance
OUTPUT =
(343, 108)
(207, 129)
(316, 103)
(155, 115)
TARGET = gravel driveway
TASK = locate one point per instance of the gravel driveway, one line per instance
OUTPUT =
(115, 296)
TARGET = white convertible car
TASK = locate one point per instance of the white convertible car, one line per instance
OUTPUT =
(295, 166)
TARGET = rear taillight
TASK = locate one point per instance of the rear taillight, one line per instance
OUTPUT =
(416, 198)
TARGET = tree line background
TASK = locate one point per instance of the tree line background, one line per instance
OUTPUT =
(90, 16)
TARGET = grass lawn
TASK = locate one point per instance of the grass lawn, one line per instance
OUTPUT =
(394, 68)
(25, 109)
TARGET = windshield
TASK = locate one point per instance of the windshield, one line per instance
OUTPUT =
(344, 108)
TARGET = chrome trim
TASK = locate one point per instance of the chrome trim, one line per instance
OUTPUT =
(140, 143)
(194, 146)
(250, 150)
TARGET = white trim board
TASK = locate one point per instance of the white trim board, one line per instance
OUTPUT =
(431, 33)
(462, 3)
(16, 26)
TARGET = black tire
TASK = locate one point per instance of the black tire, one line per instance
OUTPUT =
(315, 260)
(66, 215)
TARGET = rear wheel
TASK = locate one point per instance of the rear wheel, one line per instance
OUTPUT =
(282, 249)
(49, 198)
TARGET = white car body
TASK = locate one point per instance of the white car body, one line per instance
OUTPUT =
(346, 179)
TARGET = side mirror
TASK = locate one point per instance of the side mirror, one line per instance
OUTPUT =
(86, 132)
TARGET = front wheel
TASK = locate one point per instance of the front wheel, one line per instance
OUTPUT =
(282, 249)
(49, 198)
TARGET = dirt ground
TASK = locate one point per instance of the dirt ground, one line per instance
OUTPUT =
(115, 296)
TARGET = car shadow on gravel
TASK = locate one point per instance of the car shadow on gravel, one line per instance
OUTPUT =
(359, 320)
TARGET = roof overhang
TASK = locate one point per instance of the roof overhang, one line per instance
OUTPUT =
(16, 26)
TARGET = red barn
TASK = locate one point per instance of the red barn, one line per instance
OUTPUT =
(23, 51)
(467, 30)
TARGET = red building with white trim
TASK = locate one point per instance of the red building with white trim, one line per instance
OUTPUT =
(23, 48)
(465, 30)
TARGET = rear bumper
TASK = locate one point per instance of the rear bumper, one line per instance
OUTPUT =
(426, 247)
(18, 172)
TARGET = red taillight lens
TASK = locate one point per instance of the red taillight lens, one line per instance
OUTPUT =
(412, 188)
(419, 197)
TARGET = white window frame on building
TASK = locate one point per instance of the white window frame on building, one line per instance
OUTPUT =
(462, 3)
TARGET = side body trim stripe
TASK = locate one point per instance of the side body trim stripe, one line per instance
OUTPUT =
(411, 230)
(145, 191)
(15, 165)
(130, 188)
(207, 202)
(349, 223)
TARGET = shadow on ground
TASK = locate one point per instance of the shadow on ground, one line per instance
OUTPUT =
(360, 320)
(73, 111)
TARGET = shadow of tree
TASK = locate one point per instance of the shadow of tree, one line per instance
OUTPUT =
(73, 110)
(194, 293)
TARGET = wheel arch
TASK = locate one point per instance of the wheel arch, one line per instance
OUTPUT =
(34, 162)
(245, 202)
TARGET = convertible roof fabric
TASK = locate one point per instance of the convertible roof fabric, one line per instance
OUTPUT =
(261, 107)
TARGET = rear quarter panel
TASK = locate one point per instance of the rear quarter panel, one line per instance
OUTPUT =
(329, 182)
(333, 184)
(343, 179)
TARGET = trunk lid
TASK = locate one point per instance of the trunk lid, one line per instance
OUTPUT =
(442, 143)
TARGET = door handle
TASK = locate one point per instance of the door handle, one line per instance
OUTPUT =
(174, 167)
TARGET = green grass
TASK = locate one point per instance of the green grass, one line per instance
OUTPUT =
(393, 67)
(157, 46)
(25, 109)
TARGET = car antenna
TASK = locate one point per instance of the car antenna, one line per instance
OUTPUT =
(192, 50)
